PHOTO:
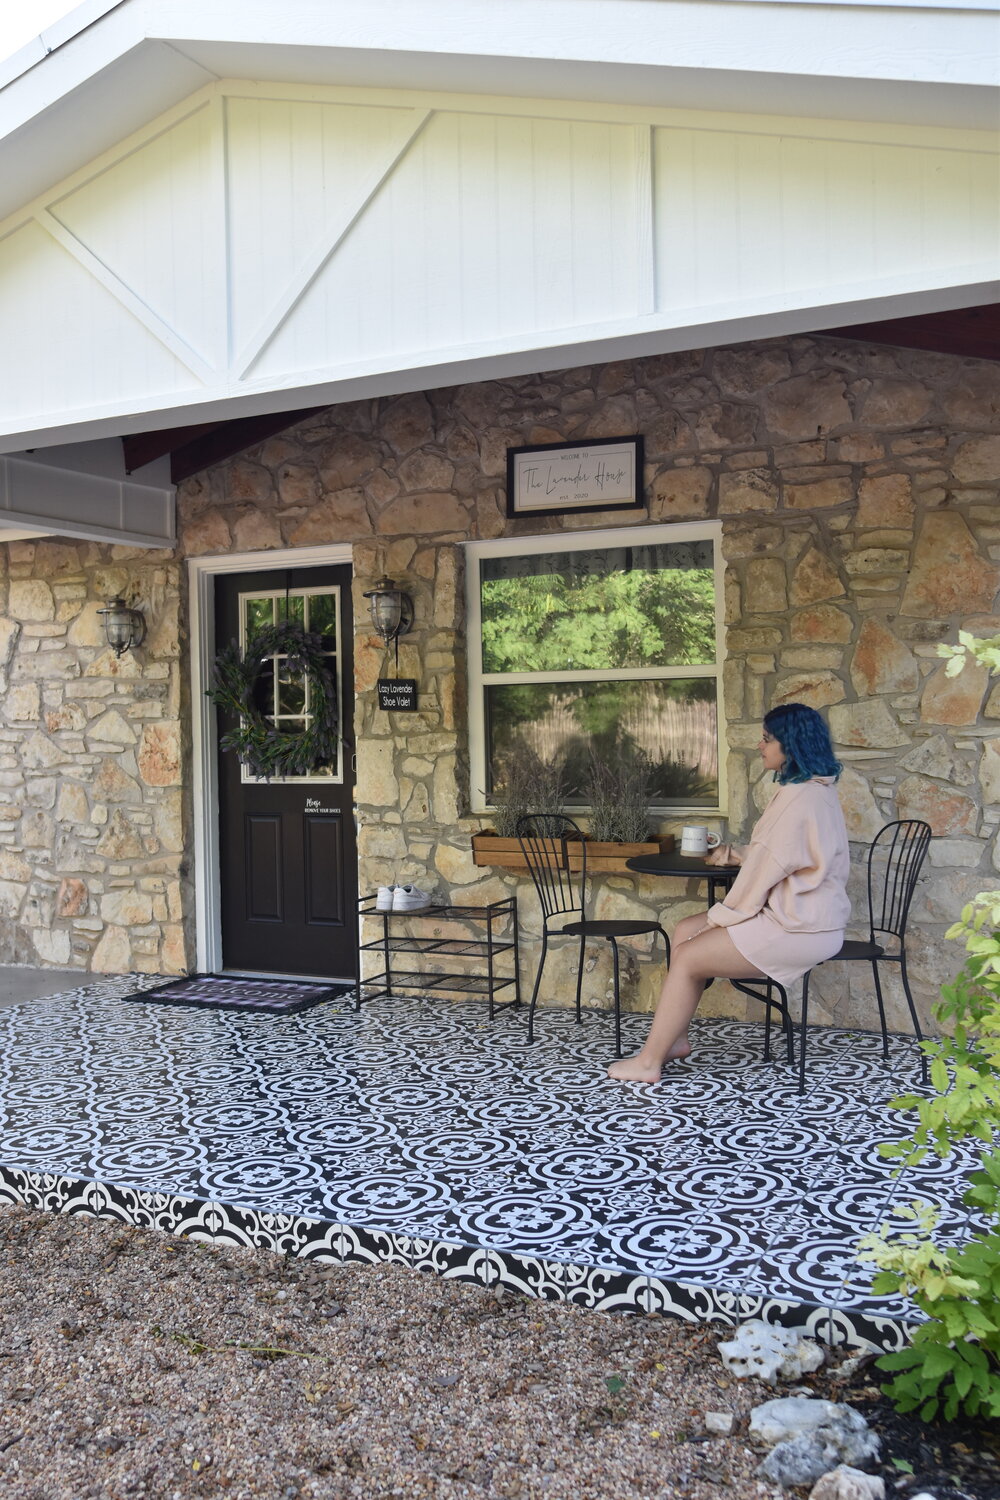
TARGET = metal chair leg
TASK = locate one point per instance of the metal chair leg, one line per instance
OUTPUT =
(618, 1012)
(579, 980)
(534, 993)
(913, 1012)
(881, 1008)
(802, 1032)
(767, 1023)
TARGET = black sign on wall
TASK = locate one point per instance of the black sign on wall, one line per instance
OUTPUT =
(398, 695)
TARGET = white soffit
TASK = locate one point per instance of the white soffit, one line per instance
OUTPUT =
(82, 490)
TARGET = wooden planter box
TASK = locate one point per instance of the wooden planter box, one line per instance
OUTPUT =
(612, 857)
(505, 854)
(488, 849)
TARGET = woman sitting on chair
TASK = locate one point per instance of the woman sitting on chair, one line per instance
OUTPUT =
(787, 908)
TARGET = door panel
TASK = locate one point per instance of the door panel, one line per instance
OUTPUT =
(263, 864)
(288, 847)
(324, 851)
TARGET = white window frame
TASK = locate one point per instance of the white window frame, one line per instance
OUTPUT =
(625, 536)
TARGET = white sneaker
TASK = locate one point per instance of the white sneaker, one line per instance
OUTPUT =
(383, 900)
(409, 898)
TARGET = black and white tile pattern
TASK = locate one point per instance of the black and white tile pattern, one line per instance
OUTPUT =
(417, 1132)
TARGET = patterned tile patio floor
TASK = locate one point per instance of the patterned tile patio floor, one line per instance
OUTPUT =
(418, 1132)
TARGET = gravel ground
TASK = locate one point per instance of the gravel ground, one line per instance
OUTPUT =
(136, 1365)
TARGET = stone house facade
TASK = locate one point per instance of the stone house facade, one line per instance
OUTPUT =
(857, 487)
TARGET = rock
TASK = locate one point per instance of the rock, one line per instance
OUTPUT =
(885, 501)
(895, 403)
(809, 1437)
(789, 1417)
(936, 758)
(680, 492)
(719, 1422)
(815, 579)
(946, 811)
(845, 1483)
(827, 622)
(816, 689)
(160, 755)
(770, 1352)
(861, 812)
(989, 771)
(954, 700)
(31, 599)
(948, 576)
(807, 405)
(881, 663)
(869, 724)
(743, 372)
(765, 586)
(837, 490)
(976, 460)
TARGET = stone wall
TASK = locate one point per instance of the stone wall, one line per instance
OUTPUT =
(92, 872)
(858, 490)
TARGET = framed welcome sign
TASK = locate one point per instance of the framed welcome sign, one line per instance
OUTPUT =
(595, 474)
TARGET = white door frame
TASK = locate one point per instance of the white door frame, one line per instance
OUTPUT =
(202, 573)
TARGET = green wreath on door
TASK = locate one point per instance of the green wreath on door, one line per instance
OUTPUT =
(264, 749)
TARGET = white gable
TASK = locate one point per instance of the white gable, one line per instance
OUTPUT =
(265, 246)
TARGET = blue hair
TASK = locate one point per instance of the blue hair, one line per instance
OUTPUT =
(803, 736)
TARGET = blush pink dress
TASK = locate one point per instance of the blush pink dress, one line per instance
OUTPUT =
(788, 907)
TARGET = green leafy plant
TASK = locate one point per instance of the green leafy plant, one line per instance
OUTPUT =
(953, 1361)
(525, 784)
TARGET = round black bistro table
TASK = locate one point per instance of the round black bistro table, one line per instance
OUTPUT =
(686, 867)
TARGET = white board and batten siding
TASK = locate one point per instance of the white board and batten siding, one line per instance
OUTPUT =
(264, 246)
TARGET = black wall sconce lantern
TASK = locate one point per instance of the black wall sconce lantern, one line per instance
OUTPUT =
(391, 609)
(124, 627)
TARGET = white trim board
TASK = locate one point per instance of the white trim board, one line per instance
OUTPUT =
(202, 572)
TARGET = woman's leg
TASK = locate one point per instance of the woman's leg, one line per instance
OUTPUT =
(711, 955)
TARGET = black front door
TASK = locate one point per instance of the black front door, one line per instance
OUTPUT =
(288, 847)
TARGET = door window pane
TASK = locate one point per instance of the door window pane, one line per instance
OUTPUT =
(675, 722)
(323, 617)
(258, 613)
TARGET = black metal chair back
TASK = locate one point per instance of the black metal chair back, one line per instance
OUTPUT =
(543, 838)
(894, 861)
(562, 892)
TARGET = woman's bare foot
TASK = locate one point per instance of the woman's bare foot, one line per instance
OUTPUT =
(635, 1070)
(639, 1069)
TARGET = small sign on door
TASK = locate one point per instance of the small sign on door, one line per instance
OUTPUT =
(398, 695)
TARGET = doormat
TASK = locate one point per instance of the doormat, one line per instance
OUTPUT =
(272, 997)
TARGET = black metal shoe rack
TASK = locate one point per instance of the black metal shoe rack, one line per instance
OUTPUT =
(497, 952)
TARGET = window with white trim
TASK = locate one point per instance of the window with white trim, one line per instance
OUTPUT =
(606, 640)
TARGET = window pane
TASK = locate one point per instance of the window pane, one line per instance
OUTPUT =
(602, 609)
(291, 691)
(673, 722)
(259, 612)
(323, 617)
(291, 609)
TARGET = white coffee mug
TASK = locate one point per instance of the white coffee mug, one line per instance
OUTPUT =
(696, 839)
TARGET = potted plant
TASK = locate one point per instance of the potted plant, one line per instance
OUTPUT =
(526, 784)
(619, 791)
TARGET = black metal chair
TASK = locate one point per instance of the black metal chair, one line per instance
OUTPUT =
(545, 840)
(895, 858)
